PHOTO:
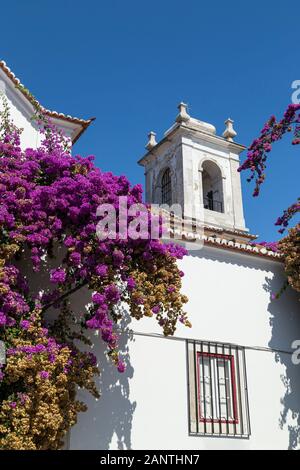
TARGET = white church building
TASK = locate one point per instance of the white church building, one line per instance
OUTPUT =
(229, 382)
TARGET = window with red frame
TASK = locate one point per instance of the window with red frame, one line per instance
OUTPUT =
(218, 398)
(216, 387)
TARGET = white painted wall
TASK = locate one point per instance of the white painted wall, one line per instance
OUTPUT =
(229, 301)
(21, 112)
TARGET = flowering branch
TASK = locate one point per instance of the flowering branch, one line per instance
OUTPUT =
(258, 152)
(50, 198)
(62, 297)
(272, 131)
(256, 162)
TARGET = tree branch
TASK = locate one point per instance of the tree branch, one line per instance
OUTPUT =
(63, 296)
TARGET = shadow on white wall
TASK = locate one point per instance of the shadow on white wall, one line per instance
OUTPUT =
(285, 329)
(108, 421)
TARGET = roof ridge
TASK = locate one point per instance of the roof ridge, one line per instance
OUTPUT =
(67, 117)
(223, 243)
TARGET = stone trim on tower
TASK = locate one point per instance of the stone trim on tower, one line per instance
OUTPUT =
(203, 169)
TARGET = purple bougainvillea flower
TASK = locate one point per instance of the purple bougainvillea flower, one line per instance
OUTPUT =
(44, 374)
(75, 258)
(156, 309)
(58, 276)
(131, 283)
(3, 319)
(121, 366)
(101, 270)
(25, 324)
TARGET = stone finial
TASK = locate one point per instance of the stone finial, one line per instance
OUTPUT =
(182, 116)
(229, 132)
(152, 141)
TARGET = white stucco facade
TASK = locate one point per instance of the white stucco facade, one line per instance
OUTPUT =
(229, 302)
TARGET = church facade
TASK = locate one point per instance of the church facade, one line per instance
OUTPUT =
(229, 382)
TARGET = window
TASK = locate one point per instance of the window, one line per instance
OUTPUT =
(212, 187)
(218, 403)
(166, 188)
(216, 386)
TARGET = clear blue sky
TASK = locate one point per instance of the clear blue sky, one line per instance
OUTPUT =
(130, 62)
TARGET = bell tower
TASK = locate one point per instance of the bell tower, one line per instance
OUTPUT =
(194, 167)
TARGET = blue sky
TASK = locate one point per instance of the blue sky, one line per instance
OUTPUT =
(130, 62)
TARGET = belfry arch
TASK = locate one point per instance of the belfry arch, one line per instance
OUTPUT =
(212, 186)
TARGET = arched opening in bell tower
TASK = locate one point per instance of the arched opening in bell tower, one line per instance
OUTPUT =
(166, 187)
(212, 187)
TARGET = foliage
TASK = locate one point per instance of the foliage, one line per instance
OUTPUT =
(290, 247)
(49, 200)
(256, 160)
(272, 131)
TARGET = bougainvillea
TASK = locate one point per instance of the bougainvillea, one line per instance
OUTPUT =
(290, 247)
(272, 131)
(49, 202)
(256, 159)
